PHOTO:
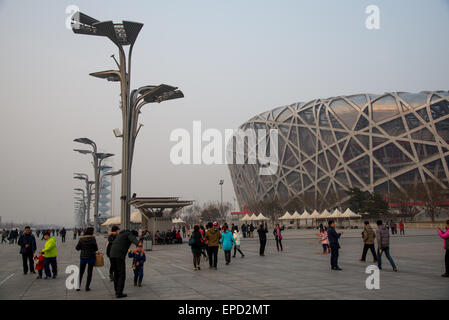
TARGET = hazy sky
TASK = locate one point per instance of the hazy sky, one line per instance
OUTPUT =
(232, 59)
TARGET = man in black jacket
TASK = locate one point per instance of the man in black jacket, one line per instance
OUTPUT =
(27, 244)
(262, 231)
(333, 237)
(111, 238)
(119, 250)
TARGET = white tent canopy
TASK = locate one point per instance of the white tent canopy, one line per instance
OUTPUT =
(315, 215)
(136, 217)
(336, 214)
(261, 217)
(296, 216)
(112, 221)
(325, 214)
(177, 220)
(245, 218)
(286, 216)
(350, 214)
(305, 215)
(253, 217)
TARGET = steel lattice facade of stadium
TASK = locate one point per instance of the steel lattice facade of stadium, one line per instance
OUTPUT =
(378, 143)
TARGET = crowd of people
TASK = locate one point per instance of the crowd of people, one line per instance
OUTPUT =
(172, 236)
(204, 242)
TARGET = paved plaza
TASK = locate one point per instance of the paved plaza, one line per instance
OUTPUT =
(300, 272)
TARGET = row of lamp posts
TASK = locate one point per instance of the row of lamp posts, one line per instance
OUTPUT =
(124, 34)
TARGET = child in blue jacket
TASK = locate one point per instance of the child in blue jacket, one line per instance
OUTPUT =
(139, 259)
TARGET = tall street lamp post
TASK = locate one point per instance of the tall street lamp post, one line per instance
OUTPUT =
(85, 177)
(82, 204)
(97, 159)
(124, 34)
(221, 200)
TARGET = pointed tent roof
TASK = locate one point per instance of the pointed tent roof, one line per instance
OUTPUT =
(305, 215)
(325, 214)
(315, 214)
(245, 218)
(296, 215)
(261, 217)
(350, 214)
(253, 217)
(286, 216)
(336, 214)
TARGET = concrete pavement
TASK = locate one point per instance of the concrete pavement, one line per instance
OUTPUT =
(300, 272)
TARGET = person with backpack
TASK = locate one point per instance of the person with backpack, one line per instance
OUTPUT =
(88, 247)
(368, 236)
(383, 245)
(227, 241)
(445, 236)
(196, 245)
(111, 238)
(213, 237)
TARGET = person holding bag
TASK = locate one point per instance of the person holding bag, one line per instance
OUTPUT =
(88, 247)
(277, 232)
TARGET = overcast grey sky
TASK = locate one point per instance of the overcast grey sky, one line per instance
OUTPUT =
(233, 59)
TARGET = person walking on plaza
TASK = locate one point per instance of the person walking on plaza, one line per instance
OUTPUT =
(74, 233)
(27, 244)
(227, 241)
(88, 247)
(63, 232)
(401, 228)
(368, 236)
(445, 236)
(251, 230)
(4, 235)
(50, 253)
(213, 237)
(244, 230)
(119, 249)
(262, 231)
(333, 237)
(138, 256)
(203, 240)
(277, 232)
(196, 244)
(111, 238)
(383, 245)
(237, 237)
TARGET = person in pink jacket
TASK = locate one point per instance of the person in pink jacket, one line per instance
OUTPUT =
(445, 236)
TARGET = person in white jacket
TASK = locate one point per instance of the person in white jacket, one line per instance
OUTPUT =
(237, 241)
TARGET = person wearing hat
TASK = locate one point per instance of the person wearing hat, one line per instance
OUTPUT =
(213, 237)
(50, 253)
(111, 238)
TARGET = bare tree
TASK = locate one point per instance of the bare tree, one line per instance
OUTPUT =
(432, 194)
(213, 211)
